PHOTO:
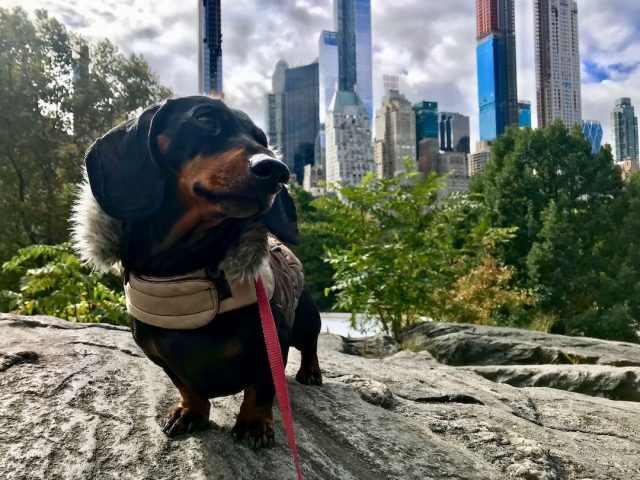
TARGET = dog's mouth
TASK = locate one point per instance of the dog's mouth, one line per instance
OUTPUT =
(262, 201)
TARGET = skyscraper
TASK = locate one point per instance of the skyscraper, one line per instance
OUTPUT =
(348, 136)
(426, 120)
(479, 159)
(275, 109)
(353, 27)
(395, 137)
(524, 114)
(209, 47)
(327, 69)
(558, 88)
(593, 133)
(301, 117)
(497, 76)
(454, 132)
(624, 126)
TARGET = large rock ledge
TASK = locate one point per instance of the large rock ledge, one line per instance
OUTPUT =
(82, 401)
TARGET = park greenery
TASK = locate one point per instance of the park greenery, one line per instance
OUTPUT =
(547, 237)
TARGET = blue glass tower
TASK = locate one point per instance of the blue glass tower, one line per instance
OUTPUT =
(353, 26)
(426, 120)
(593, 133)
(524, 114)
(496, 56)
(327, 70)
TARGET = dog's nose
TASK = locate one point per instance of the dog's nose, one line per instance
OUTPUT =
(268, 171)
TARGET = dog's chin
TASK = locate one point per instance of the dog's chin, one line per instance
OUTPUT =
(234, 205)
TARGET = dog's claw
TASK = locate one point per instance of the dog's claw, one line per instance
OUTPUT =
(311, 376)
(257, 433)
(183, 420)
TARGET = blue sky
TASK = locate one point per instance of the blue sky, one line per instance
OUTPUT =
(429, 43)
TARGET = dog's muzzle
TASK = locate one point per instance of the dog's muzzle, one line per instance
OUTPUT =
(268, 172)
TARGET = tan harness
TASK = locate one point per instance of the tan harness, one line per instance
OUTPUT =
(189, 301)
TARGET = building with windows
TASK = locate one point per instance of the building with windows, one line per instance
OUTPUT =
(209, 47)
(496, 60)
(557, 48)
(275, 109)
(454, 132)
(593, 133)
(624, 127)
(524, 114)
(301, 117)
(479, 159)
(426, 120)
(395, 137)
(352, 20)
(349, 151)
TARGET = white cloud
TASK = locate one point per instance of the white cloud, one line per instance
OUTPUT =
(433, 43)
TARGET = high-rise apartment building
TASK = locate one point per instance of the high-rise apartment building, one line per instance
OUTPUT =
(353, 27)
(454, 132)
(524, 114)
(497, 75)
(426, 120)
(209, 47)
(592, 130)
(624, 126)
(275, 109)
(301, 117)
(349, 151)
(479, 159)
(395, 137)
(557, 46)
(327, 70)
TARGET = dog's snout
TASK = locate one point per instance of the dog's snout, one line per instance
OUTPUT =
(269, 171)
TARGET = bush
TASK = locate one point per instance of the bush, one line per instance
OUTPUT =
(50, 280)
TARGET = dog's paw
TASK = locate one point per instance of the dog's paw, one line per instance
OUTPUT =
(309, 373)
(184, 420)
(257, 432)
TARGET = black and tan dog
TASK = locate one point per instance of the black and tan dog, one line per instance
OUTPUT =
(191, 186)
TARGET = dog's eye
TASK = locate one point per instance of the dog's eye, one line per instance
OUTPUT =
(212, 124)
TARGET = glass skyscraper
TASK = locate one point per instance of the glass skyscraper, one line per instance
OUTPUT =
(497, 78)
(327, 70)
(353, 26)
(524, 114)
(209, 47)
(624, 126)
(426, 120)
(593, 133)
(301, 117)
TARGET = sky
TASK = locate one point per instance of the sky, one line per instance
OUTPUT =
(429, 43)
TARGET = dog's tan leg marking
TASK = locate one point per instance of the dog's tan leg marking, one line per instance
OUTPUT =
(254, 422)
(191, 413)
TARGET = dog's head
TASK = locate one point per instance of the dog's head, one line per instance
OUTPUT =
(214, 160)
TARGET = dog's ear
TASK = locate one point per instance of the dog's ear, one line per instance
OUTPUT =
(282, 219)
(124, 176)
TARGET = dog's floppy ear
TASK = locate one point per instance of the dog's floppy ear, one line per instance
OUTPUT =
(124, 177)
(282, 219)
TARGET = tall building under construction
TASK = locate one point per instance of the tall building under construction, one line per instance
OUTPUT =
(209, 47)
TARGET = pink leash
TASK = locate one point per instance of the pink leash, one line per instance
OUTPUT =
(277, 368)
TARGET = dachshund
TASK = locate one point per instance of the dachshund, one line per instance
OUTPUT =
(192, 203)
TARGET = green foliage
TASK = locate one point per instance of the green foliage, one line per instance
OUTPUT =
(57, 94)
(399, 253)
(576, 243)
(52, 281)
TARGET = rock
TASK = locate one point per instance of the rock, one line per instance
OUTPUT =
(86, 404)
(370, 347)
(463, 344)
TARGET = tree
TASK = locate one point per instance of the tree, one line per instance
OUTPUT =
(57, 95)
(400, 253)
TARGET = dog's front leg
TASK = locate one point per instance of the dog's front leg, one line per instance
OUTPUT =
(255, 420)
(191, 413)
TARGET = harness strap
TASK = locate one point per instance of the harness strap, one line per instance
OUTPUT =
(277, 368)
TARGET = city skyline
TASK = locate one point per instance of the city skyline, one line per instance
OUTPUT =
(432, 48)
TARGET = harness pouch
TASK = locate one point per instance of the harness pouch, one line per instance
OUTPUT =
(172, 302)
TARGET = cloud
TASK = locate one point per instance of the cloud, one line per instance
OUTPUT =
(431, 45)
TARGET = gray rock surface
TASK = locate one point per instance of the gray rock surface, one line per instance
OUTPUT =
(82, 401)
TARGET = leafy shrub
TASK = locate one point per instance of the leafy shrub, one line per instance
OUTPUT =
(51, 280)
